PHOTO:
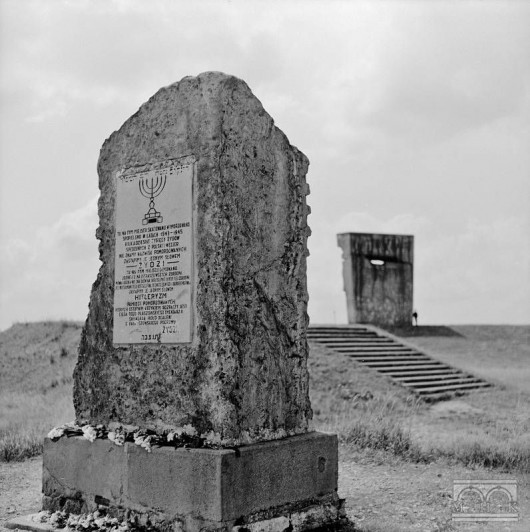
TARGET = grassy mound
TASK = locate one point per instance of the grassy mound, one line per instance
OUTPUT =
(490, 428)
(36, 365)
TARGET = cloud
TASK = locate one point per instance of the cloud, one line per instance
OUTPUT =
(405, 70)
(49, 276)
(444, 73)
(401, 107)
(61, 54)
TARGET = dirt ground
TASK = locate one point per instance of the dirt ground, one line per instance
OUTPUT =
(399, 496)
(20, 488)
(381, 495)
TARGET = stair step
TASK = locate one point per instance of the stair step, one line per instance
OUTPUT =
(383, 355)
(364, 345)
(447, 382)
(396, 369)
(341, 332)
(353, 336)
(335, 328)
(403, 363)
(382, 350)
(365, 351)
(426, 372)
(454, 387)
(373, 342)
(374, 359)
(350, 339)
(379, 351)
(427, 377)
(369, 334)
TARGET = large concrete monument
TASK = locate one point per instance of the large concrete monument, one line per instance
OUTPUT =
(378, 278)
(197, 325)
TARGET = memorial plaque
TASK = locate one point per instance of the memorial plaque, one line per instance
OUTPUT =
(154, 253)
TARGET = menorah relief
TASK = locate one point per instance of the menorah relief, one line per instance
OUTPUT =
(150, 188)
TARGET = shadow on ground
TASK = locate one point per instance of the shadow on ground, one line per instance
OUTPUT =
(422, 330)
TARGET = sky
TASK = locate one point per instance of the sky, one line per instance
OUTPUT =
(414, 116)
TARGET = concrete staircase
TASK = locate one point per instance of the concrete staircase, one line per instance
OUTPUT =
(404, 364)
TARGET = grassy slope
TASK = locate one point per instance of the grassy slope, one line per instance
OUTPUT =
(36, 365)
(489, 428)
(498, 353)
(36, 357)
(366, 410)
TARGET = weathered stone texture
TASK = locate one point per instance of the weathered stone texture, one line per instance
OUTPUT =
(380, 294)
(244, 377)
(216, 485)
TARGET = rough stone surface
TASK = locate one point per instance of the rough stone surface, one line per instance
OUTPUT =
(244, 377)
(257, 482)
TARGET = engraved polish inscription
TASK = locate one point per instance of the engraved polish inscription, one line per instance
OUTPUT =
(154, 253)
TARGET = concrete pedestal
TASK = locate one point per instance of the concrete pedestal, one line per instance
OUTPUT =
(276, 485)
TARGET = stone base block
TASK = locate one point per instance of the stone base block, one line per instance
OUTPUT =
(288, 484)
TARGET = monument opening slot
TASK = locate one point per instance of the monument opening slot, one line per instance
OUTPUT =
(381, 260)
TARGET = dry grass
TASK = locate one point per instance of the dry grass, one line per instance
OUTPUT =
(36, 364)
(36, 357)
(26, 419)
(490, 428)
(19, 443)
(361, 406)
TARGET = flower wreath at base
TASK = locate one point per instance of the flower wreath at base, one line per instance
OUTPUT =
(185, 436)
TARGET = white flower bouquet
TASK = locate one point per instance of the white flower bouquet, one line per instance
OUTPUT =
(185, 436)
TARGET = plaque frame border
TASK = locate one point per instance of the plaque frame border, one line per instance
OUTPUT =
(137, 168)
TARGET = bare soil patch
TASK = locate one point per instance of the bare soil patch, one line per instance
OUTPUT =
(20, 488)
